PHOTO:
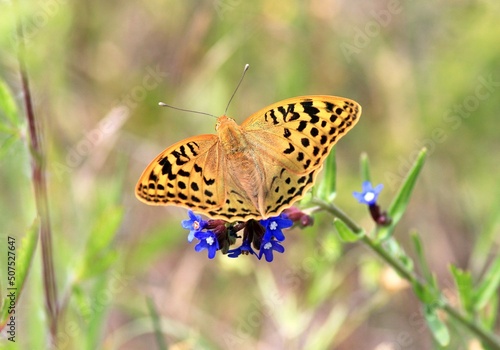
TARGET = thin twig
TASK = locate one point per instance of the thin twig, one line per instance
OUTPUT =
(40, 188)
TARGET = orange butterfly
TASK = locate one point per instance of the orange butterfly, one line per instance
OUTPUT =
(254, 170)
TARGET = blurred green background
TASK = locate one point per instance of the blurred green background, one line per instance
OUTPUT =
(425, 73)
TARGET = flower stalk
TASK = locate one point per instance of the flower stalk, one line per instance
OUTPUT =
(482, 334)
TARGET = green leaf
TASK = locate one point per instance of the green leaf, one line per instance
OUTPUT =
(327, 187)
(438, 328)
(365, 167)
(419, 249)
(160, 340)
(8, 105)
(402, 198)
(98, 306)
(489, 285)
(463, 282)
(423, 293)
(345, 233)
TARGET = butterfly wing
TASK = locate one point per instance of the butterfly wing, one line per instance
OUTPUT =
(187, 174)
(292, 138)
(191, 174)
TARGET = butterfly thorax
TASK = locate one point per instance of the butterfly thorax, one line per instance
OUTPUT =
(231, 136)
(242, 165)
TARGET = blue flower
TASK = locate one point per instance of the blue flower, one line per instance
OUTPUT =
(245, 249)
(208, 241)
(369, 194)
(274, 226)
(267, 248)
(194, 224)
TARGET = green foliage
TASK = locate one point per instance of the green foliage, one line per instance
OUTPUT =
(345, 233)
(437, 327)
(327, 188)
(488, 286)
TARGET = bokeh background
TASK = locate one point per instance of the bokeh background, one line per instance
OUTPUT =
(426, 74)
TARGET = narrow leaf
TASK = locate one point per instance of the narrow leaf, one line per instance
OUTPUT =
(422, 293)
(438, 328)
(345, 233)
(402, 198)
(327, 188)
(463, 282)
(160, 340)
(419, 249)
(8, 104)
(489, 285)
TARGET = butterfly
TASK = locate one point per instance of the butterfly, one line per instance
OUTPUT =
(254, 170)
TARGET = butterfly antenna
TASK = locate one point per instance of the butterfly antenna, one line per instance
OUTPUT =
(234, 93)
(185, 110)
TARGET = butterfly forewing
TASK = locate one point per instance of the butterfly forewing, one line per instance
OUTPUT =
(187, 174)
(300, 132)
(286, 142)
(293, 138)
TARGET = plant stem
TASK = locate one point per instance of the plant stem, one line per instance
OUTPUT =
(487, 338)
(40, 188)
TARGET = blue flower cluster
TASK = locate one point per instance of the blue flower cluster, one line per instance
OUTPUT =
(266, 236)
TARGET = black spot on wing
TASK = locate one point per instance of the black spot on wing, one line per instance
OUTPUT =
(153, 177)
(290, 149)
(302, 125)
(208, 181)
(329, 106)
(309, 108)
(183, 173)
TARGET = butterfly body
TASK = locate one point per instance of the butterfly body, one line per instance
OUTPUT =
(254, 170)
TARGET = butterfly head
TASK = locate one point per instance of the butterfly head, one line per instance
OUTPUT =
(224, 122)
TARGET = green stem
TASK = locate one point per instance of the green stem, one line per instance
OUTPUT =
(492, 341)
